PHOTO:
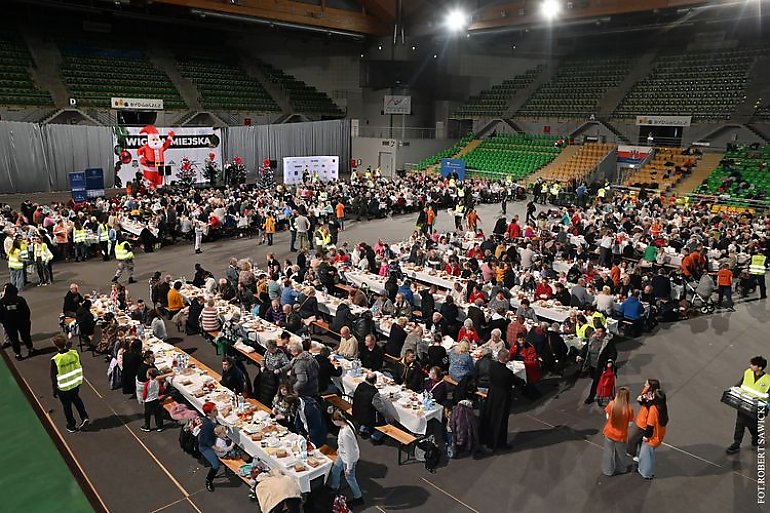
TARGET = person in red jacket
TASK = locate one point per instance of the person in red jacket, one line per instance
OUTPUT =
(523, 351)
(543, 290)
(514, 230)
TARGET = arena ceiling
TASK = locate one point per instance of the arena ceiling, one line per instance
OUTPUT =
(381, 17)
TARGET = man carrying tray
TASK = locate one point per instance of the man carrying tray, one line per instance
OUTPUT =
(757, 384)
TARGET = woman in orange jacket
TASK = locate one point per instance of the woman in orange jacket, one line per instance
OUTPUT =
(644, 399)
(657, 420)
(619, 416)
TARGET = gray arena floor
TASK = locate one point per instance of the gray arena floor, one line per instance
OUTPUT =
(554, 464)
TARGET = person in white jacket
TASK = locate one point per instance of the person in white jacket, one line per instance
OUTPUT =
(347, 457)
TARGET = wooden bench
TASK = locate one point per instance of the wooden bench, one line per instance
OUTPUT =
(169, 404)
(253, 356)
(405, 440)
(234, 466)
(329, 452)
(324, 326)
(347, 289)
(339, 403)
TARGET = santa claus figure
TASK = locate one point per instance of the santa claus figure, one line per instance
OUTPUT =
(151, 155)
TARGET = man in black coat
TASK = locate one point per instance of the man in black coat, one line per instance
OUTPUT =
(409, 372)
(427, 303)
(232, 377)
(391, 288)
(371, 355)
(15, 318)
(72, 300)
(326, 370)
(476, 314)
(496, 409)
(396, 339)
(437, 324)
(369, 409)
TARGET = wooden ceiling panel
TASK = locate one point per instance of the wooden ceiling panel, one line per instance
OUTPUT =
(298, 13)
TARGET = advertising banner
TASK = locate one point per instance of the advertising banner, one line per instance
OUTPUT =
(137, 103)
(663, 120)
(324, 168)
(632, 154)
(94, 182)
(397, 104)
(77, 183)
(166, 155)
(448, 166)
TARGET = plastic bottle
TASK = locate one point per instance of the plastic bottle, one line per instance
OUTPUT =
(303, 451)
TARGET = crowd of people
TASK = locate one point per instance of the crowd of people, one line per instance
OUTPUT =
(637, 261)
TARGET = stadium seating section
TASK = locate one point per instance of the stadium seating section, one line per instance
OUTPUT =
(304, 98)
(16, 86)
(492, 103)
(576, 89)
(661, 171)
(515, 155)
(707, 85)
(762, 113)
(743, 174)
(224, 85)
(579, 166)
(94, 76)
(446, 154)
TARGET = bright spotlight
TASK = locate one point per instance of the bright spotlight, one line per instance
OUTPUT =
(550, 9)
(456, 20)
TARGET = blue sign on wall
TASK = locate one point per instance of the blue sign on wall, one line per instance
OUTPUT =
(95, 182)
(449, 166)
(77, 181)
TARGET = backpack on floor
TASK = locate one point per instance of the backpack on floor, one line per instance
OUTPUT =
(188, 441)
(428, 452)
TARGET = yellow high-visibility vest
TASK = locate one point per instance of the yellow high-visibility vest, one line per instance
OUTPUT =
(122, 252)
(79, 236)
(69, 372)
(757, 265)
(104, 233)
(758, 388)
(14, 260)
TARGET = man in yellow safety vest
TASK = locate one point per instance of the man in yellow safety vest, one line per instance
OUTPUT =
(66, 378)
(757, 268)
(103, 234)
(125, 258)
(757, 384)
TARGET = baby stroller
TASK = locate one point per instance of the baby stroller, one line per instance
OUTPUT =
(701, 294)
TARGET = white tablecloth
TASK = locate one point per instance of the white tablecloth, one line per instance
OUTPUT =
(135, 227)
(165, 354)
(415, 421)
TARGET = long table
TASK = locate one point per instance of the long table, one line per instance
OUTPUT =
(189, 382)
(414, 419)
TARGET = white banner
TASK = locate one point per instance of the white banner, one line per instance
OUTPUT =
(325, 168)
(397, 104)
(137, 103)
(161, 154)
(663, 120)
